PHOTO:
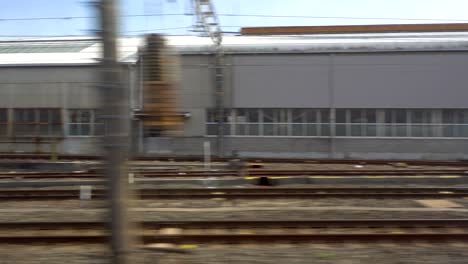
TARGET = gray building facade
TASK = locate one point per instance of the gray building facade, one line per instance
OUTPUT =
(369, 96)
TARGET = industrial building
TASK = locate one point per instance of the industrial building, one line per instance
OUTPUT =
(376, 95)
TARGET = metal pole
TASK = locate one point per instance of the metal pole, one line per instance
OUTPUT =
(207, 155)
(219, 94)
(208, 21)
(116, 139)
(332, 114)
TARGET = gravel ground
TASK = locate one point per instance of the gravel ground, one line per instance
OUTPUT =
(344, 253)
(337, 254)
(197, 166)
(462, 202)
(245, 209)
(311, 166)
(376, 185)
(300, 215)
(352, 183)
(278, 202)
(210, 203)
(12, 254)
(240, 214)
(157, 185)
(296, 166)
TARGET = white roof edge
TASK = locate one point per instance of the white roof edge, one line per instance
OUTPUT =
(193, 45)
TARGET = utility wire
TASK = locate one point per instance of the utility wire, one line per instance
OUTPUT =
(241, 15)
(81, 17)
(342, 17)
(124, 32)
(157, 29)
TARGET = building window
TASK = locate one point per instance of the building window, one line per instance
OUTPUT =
(356, 122)
(421, 120)
(84, 122)
(212, 121)
(306, 122)
(37, 122)
(455, 122)
(246, 121)
(342, 121)
(3, 122)
(394, 123)
(310, 122)
(275, 122)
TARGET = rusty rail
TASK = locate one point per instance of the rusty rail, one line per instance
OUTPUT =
(46, 156)
(440, 230)
(244, 193)
(230, 173)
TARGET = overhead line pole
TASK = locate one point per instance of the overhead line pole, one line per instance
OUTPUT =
(219, 102)
(116, 139)
(208, 23)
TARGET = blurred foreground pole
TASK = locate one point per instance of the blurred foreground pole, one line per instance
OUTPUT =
(116, 139)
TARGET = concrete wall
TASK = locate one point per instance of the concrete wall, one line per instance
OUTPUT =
(401, 80)
(53, 87)
(385, 80)
(348, 148)
(73, 145)
(196, 88)
(281, 81)
(196, 92)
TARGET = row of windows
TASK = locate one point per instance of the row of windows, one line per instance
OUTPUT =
(44, 122)
(39, 122)
(85, 122)
(347, 122)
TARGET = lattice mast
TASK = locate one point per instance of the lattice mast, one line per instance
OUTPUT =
(207, 23)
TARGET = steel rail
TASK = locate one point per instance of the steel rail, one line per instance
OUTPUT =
(250, 173)
(242, 238)
(244, 193)
(210, 224)
(445, 229)
(47, 156)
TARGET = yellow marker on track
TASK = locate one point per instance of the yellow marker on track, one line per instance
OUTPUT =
(326, 177)
(188, 246)
(270, 177)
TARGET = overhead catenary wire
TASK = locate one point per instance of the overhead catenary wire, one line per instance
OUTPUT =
(416, 67)
(241, 15)
(158, 29)
(123, 33)
(222, 15)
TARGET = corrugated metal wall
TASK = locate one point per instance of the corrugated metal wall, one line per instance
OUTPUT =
(391, 80)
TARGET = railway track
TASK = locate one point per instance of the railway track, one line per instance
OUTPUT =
(244, 193)
(273, 173)
(227, 173)
(310, 231)
(47, 156)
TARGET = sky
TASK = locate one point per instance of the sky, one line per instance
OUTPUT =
(173, 16)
